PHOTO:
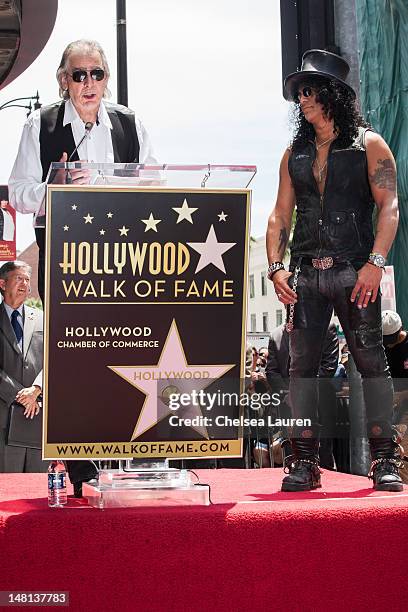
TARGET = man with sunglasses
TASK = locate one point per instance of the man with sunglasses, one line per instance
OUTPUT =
(334, 172)
(54, 132)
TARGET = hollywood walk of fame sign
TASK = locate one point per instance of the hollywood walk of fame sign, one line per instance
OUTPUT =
(145, 305)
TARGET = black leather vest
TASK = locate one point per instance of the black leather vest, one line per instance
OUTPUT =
(55, 138)
(338, 223)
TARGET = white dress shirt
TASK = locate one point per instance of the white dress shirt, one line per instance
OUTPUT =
(26, 187)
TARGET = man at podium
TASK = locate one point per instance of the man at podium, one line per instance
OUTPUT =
(81, 126)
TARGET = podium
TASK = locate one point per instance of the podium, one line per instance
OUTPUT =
(146, 286)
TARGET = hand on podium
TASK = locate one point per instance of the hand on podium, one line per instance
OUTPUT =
(79, 176)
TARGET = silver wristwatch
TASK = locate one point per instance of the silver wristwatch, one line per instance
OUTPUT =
(377, 260)
(274, 267)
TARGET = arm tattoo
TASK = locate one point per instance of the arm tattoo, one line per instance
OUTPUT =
(384, 175)
(283, 240)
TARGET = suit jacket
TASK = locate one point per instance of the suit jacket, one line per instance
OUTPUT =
(19, 369)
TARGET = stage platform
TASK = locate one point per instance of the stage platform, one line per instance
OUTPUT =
(341, 547)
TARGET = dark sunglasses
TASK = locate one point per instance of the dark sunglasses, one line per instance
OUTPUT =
(306, 92)
(79, 76)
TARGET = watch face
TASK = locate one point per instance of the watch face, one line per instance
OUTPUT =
(377, 260)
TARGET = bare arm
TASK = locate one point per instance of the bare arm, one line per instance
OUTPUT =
(382, 176)
(382, 173)
(277, 234)
(280, 219)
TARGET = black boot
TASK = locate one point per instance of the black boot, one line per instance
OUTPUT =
(302, 467)
(384, 470)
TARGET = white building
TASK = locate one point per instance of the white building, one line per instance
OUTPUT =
(265, 312)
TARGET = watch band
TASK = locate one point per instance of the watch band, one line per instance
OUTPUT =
(376, 259)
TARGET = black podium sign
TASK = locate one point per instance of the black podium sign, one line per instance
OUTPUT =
(145, 302)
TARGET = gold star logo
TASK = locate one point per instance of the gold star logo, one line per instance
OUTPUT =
(184, 212)
(151, 223)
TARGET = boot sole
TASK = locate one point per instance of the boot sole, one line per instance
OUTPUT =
(292, 488)
(396, 487)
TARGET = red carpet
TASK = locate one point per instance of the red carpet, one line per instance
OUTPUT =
(341, 547)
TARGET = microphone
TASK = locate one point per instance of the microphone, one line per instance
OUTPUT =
(88, 127)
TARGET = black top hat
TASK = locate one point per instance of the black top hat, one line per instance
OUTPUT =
(318, 63)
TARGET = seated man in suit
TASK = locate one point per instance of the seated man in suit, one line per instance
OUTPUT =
(21, 362)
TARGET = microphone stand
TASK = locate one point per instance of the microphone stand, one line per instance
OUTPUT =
(88, 127)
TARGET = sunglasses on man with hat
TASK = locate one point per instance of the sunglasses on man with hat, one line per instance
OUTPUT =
(307, 91)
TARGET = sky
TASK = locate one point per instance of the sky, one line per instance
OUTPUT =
(204, 78)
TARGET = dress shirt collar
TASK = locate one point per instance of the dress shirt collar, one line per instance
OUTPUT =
(71, 115)
(10, 310)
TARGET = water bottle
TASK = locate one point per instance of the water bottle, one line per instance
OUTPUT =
(57, 484)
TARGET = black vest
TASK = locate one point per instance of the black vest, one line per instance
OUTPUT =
(55, 138)
(338, 224)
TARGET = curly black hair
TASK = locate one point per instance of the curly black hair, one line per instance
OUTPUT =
(339, 104)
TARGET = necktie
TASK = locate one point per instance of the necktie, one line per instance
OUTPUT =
(18, 330)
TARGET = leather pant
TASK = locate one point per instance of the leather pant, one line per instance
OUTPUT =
(319, 291)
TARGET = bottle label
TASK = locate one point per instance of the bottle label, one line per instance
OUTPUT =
(56, 481)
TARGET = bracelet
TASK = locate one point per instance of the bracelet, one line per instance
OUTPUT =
(274, 267)
(375, 265)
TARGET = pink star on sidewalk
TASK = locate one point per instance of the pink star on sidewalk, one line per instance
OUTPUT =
(171, 370)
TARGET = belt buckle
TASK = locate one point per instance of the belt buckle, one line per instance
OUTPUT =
(323, 264)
